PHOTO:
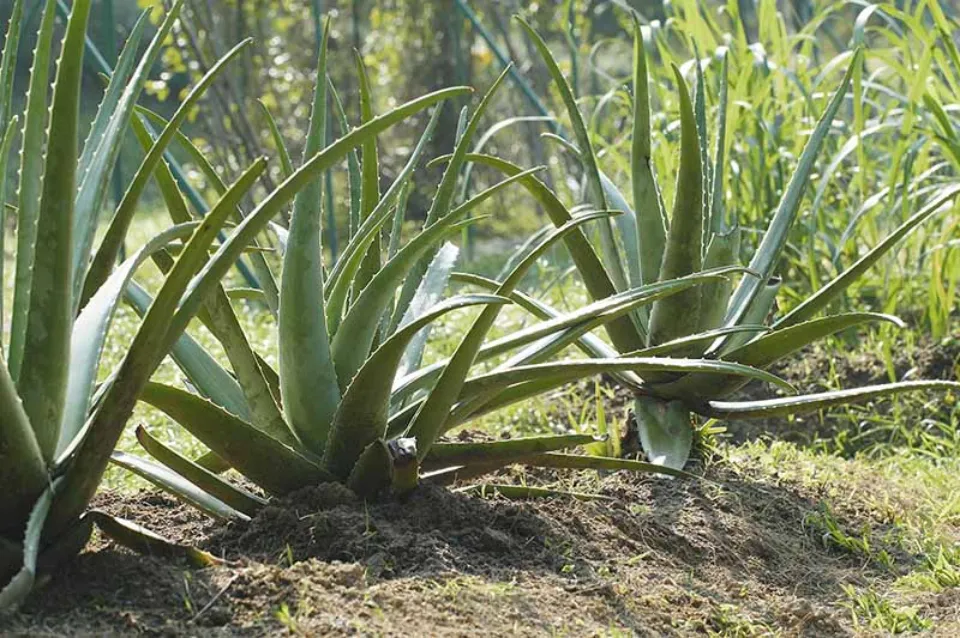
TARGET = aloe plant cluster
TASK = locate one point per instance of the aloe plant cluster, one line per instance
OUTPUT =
(717, 321)
(350, 401)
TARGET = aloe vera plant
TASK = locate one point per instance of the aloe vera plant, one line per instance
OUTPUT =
(350, 401)
(716, 322)
(58, 425)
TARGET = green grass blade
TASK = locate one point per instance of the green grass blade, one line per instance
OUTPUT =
(34, 140)
(679, 315)
(362, 415)
(769, 408)
(238, 498)
(819, 300)
(174, 484)
(106, 254)
(768, 252)
(43, 377)
(308, 381)
(256, 455)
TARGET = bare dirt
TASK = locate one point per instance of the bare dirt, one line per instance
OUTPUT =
(735, 554)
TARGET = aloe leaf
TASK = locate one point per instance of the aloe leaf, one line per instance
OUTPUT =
(203, 371)
(286, 165)
(106, 254)
(105, 140)
(361, 417)
(588, 157)
(251, 452)
(22, 583)
(171, 482)
(90, 331)
(218, 316)
(235, 497)
(353, 161)
(503, 451)
(623, 332)
(343, 275)
(428, 294)
(685, 346)
(33, 147)
(443, 199)
(819, 300)
(371, 474)
(8, 60)
(647, 202)
(679, 315)
(265, 278)
(724, 250)
(758, 313)
(6, 142)
(148, 348)
(665, 429)
(769, 408)
(43, 378)
(142, 540)
(308, 381)
(771, 246)
(22, 467)
(369, 177)
(355, 337)
(426, 425)
(718, 223)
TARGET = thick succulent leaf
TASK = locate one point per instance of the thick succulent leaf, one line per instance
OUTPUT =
(286, 164)
(569, 327)
(724, 250)
(8, 60)
(718, 224)
(766, 350)
(203, 371)
(23, 471)
(665, 429)
(623, 332)
(502, 451)
(369, 177)
(106, 254)
(362, 415)
(769, 408)
(610, 252)
(43, 377)
(308, 382)
(104, 143)
(140, 539)
(174, 484)
(274, 466)
(428, 422)
(763, 304)
(90, 332)
(679, 315)
(429, 293)
(443, 200)
(819, 300)
(342, 277)
(6, 143)
(33, 145)
(651, 217)
(771, 246)
(235, 497)
(20, 586)
(353, 160)
(685, 346)
(352, 342)
(147, 350)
